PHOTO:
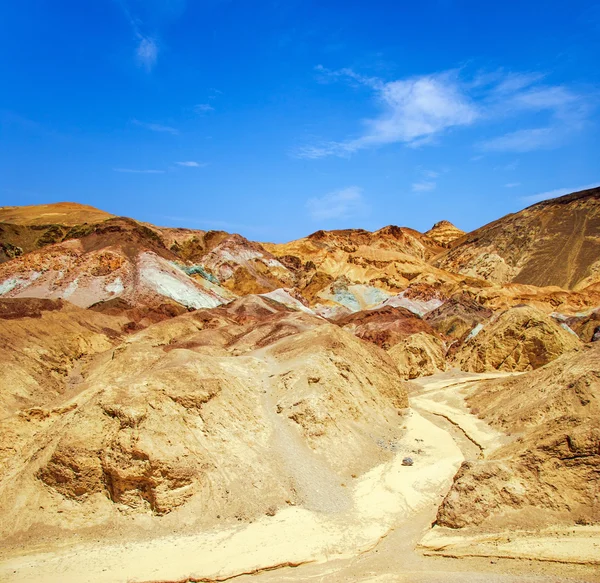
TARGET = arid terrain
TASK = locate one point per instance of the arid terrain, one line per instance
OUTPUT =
(183, 405)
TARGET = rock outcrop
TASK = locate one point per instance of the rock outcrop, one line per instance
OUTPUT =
(457, 316)
(386, 326)
(418, 355)
(213, 417)
(444, 233)
(520, 339)
(550, 472)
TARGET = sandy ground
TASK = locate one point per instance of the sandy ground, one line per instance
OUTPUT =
(371, 534)
(443, 395)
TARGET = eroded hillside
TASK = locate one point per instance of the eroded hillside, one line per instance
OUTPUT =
(177, 388)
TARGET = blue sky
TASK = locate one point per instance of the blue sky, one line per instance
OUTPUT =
(278, 118)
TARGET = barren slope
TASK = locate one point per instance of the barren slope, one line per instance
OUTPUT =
(60, 213)
(519, 339)
(211, 418)
(549, 474)
(444, 233)
(554, 242)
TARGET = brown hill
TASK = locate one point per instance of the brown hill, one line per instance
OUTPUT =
(520, 339)
(388, 258)
(418, 355)
(384, 326)
(550, 473)
(60, 213)
(457, 316)
(444, 233)
(206, 420)
(554, 242)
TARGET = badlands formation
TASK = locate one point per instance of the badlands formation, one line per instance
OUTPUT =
(182, 405)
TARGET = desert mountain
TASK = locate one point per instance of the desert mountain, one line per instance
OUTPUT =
(182, 389)
(387, 259)
(444, 232)
(121, 259)
(554, 242)
(520, 339)
(60, 213)
(27, 228)
(212, 417)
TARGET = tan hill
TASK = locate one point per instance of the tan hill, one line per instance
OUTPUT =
(520, 339)
(418, 355)
(457, 316)
(554, 242)
(209, 419)
(549, 474)
(117, 258)
(27, 228)
(41, 342)
(389, 258)
(444, 233)
(60, 213)
(386, 326)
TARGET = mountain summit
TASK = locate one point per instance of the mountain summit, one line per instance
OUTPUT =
(444, 232)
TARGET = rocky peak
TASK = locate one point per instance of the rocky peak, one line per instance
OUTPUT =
(444, 232)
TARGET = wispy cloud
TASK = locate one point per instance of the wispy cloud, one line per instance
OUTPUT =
(512, 185)
(555, 193)
(155, 127)
(565, 110)
(192, 164)
(524, 140)
(425, 186)
(413, 111)
(416, 111)
(135, 171)
(203, 108)
(339, 204)
(146, 19)
(147, 52)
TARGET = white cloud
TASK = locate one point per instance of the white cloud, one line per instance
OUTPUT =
(425, 186)
(565, 110)
(203, 108)
(523, 140)
(146, 19)
(512, 185)
(413, 111)
(555, 193)
(147, 52)
(155, 127)
(417, 110)
(339, 204)
(192, 164)
(134, 171)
